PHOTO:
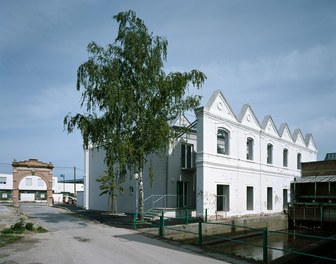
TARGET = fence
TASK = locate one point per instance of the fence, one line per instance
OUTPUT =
(200, 235)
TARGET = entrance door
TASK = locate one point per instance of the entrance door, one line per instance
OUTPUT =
(182, 194)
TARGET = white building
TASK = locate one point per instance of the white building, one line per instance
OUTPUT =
(228, 165)
(34, 189)
(243, 166)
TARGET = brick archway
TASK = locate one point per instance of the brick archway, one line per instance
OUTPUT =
(30, 167)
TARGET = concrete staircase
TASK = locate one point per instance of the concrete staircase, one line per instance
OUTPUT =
(153, 214)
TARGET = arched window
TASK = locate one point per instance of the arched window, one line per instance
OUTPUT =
(249, 148)
(269, 153)
(285, 157)
(298, 161)
(223, 141)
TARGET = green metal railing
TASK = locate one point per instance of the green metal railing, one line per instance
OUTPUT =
(263, 232)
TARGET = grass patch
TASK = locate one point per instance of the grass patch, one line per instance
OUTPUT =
(12, 234)
(8, 238)
(41, 229)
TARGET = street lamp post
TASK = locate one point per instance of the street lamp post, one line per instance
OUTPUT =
(63, 176)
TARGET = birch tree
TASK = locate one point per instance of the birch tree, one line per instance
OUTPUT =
(128, 100)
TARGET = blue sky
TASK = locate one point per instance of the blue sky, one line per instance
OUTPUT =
(278, 56)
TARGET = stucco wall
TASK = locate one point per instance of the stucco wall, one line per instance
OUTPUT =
(233, 169)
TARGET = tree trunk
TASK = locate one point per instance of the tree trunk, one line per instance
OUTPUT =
(113, 205)
(141, 196)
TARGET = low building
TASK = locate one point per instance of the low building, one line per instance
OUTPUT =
(34, 189)
(228, 165)
(313, 201)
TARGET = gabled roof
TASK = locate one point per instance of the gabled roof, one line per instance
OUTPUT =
(180, 121)
(268, 126)
(218, 104)
(285, 132)
(310, 141)
(298, 137)
(248, 117)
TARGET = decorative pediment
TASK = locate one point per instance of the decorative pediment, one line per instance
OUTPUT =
(285, 133)
(298, 138)
(248, 118)
(310, 141)
(218, 105)
(269, 127)
(32, 163)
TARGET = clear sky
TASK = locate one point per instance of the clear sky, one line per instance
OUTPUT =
(278, 56)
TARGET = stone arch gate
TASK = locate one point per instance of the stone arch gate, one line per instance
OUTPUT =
(32, 167)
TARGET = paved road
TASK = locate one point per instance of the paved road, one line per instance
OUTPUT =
(78, 240)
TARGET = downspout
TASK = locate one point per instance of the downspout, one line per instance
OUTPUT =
(260, 203)
(167, 164)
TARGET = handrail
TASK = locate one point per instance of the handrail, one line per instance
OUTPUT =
(156, 199)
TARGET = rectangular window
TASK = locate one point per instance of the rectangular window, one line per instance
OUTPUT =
(298, 161)
(269, 154)
(249, 198)
(223, 198)
(223, 141)
(40, 182)
(285, 198)
(131, 190)
(285, 158)
(249, 149)
(269, 198)
(187, 161)
(29, 182)
(3, 180)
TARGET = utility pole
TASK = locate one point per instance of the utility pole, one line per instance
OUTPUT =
(75, 181)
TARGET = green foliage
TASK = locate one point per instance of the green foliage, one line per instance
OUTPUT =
(7, 231)
(10, 235)
(29, 226)
(7, 239)
(128, 99)
(41, 229)
(19, 227)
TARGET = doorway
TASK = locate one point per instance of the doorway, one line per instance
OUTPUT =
(182, 194)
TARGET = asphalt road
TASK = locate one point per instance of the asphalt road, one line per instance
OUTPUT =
(74, 239)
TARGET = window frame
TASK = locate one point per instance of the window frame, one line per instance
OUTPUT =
(3, 180)
(187, 156)
(269, 202)
(223, 198)
(298, 161)
(249, 148)
(249, 198)
(269, 153)
(285, 157)
(223, 139)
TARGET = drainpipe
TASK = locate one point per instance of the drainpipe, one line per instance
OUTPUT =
(260, 203)
(167, 164)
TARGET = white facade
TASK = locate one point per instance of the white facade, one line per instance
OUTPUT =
(229, 177)
(249, 169)
(34, 188)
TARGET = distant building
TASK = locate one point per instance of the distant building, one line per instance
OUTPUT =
(313, 201)
(34, 189)
(226, 166)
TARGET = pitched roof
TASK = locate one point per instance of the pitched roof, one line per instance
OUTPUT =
(218, 105)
